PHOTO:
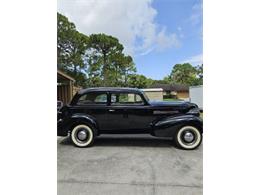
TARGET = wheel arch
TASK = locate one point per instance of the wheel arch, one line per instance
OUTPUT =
(167, 127)
(76, 119)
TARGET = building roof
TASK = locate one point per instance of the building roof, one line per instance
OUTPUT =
(197, 86)
(64, 75)
(152, 89)
(172, 87)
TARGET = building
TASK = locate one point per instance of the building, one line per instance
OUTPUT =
(196, 95)
(65, 87)
(177, 91)
(154, 93)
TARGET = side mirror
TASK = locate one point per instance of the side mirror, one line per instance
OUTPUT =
(59, 104)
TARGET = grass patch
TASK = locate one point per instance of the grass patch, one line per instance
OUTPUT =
(170, 99)
(201, 115)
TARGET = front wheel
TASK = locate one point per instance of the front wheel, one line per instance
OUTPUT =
(188, 137)
(82, 135)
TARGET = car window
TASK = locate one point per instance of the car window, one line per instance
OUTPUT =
(126, 99)
(92, 98)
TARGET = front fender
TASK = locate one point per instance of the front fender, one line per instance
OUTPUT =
(167, 127)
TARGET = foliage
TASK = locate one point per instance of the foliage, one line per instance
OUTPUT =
(103, 49)
(65, 32)
(199, 70)
(186, 74)
(108, 66)
(71, 48)
(138, 81)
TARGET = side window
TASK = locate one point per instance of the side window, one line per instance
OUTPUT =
(126, 99)
(92, 98)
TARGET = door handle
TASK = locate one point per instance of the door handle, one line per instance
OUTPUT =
(110, 110)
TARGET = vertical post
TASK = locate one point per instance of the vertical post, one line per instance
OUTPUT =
(70, 91)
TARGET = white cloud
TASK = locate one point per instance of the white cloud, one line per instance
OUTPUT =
(132, 22)
(146, 52)
(197, 13)
(165, 41)
(194, 60)
(181, 35)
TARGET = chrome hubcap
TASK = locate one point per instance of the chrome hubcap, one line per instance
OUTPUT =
(82, 135)
(188, 136)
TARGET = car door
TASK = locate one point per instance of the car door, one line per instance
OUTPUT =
(94, 104)
(128, 111)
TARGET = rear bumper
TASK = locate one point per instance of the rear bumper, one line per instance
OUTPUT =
(61, 131)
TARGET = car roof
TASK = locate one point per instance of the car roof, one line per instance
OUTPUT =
(108, 89)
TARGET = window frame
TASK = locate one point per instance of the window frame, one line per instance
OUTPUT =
(125, 104)
(94, 103)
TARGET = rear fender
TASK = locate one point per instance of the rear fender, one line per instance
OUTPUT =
(65, 125)
(75, 118)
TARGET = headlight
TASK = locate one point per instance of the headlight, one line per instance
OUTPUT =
(194, 111)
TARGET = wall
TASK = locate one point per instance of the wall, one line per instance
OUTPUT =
(183, 95)
(154, 94)
(196, 95)
(65, 92)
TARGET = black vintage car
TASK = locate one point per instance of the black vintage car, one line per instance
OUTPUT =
(96, 111)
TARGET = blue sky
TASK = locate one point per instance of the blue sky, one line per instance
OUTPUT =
(176, 15)
(157, 33)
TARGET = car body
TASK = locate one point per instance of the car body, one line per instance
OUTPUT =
(106, 110)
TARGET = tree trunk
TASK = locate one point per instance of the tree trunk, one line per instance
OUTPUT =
(75, 69)
(105, 81)
(125, 77)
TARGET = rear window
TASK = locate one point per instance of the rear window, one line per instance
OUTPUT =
(92, 98)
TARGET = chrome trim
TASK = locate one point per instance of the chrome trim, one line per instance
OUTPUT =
(165, 112)
(82, 135)
(188, 137)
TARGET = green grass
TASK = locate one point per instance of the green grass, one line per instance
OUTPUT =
(170, 99)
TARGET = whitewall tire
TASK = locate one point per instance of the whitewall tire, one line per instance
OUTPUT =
(82, 135)
(188, 137)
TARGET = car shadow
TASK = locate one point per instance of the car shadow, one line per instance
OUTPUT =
(126, 140)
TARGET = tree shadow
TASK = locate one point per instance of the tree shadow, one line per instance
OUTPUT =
(127, 140)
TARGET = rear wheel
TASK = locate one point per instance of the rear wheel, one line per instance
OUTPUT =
(82, 135)
(188, 137)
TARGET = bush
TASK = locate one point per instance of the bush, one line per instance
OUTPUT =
(169, 96)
